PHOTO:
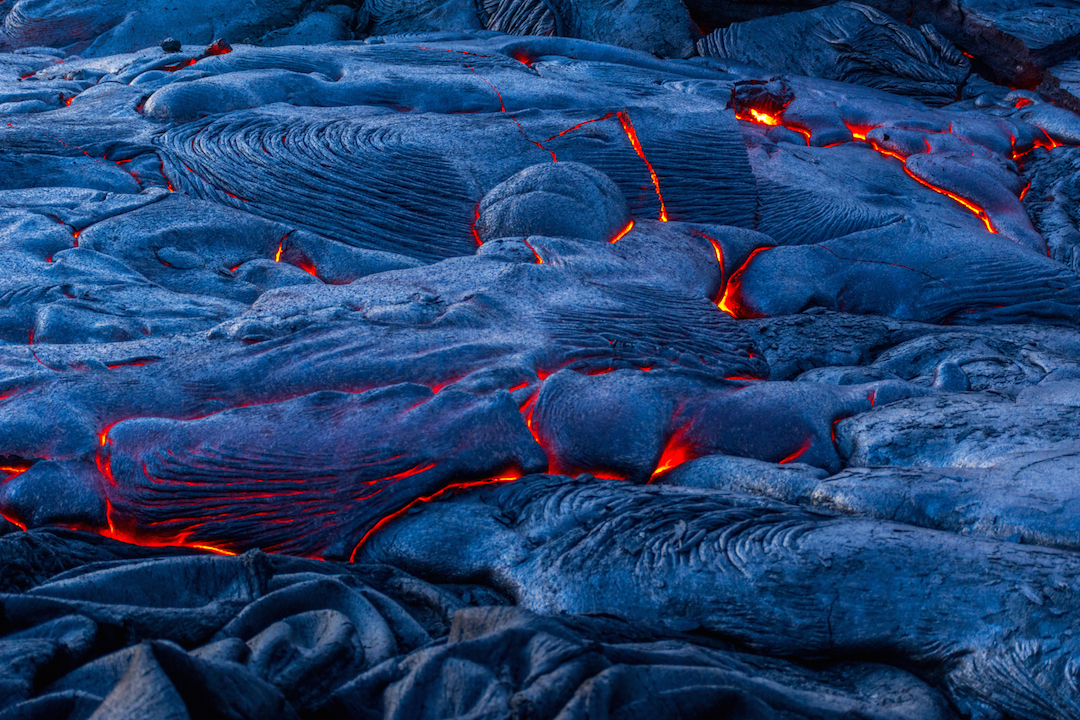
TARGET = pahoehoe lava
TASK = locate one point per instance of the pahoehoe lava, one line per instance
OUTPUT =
(538, 359)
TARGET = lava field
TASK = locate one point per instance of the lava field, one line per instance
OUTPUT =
(539, 360)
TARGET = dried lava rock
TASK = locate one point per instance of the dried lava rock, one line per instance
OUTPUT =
(539, 358)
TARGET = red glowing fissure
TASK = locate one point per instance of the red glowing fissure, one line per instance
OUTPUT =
(133, 538)
(719, 252)
(631, 135)
(476, 218)
(539, 260)
(622, 233)
(798, 453)
(502, 108)
(676, 452)
(732, 286)
(509, 477)
(761, 118)
(859, 133)
(975, 209)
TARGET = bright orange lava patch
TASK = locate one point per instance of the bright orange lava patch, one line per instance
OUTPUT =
(622, 233)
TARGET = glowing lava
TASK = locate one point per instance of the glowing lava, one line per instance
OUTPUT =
(676, 452)
(476, 218)
(726, 301)
(762, 118)
(509, 477)
(978, 211)
(798, 453)
(622, 233)
(539, 260)
(502, 108)
(631, 135)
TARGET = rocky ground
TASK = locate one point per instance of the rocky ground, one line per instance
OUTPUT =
(539, 359)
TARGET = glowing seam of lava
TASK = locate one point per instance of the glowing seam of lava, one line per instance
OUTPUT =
(12, 471)
(14, 522)
(675, 453)
(502, 108)
(798, 453)
(622, 233)
(580, 124)
(732, 284)
(860, 135)
(978, 211)
(631, 134)
(456, 486)
(539, 260)
(760, 118)
(476, 218)
(133, 539)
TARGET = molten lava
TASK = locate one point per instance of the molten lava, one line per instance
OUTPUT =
(798, 453)
(631, 134)
(726, 300)
(978, 211)
(476, 218)
(509, 477)
(676, 452)
(502, 108)
(763, 118)
(622, 233)
(539, 260)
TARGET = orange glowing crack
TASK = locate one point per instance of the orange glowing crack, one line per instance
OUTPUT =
(760, 118)
(476, 218)
(14, 522)
(890, 153)
(857, 132)
(676, 452)
(978, 211)
(580, 124)
(631, 134)
(509, 477)
(719, 252)
(179, 65)
(607, 476)
(502, 108)
(622, 233)
(798, 453)
(725, 303)
(539, 260)
(135, 539)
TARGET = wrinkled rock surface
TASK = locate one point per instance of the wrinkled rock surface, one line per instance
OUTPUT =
(539, 358)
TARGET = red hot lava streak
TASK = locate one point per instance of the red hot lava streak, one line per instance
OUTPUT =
(676, 452)
(726, 301)
(631, 135)
(798, 453)
(622, 233)
(859, 135)
(509, 477)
